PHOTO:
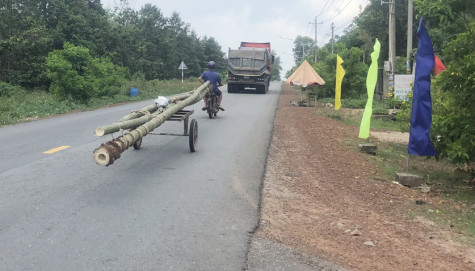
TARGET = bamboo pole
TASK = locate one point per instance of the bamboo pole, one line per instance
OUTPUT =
(137, 118)
(153, 107)
(110, 151)
(125, 124)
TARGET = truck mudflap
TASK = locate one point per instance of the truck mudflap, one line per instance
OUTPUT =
(235, 86)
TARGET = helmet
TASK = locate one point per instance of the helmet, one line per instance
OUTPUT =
(211, 65)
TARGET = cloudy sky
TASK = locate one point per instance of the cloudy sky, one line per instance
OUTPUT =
(277, 21)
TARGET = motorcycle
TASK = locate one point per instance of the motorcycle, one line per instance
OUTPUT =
(212, 103)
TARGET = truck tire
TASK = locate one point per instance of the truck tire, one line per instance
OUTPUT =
(232, 88)
(261, 89)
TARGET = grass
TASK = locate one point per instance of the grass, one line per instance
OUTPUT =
(455, 210)
(25, 105)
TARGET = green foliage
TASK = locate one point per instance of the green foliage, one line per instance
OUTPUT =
(23, 105)
(75, 75)
(275, 69)
(354, 82)
(143, 42)
(373, 23)
(454, 109)
(453, 104)
(7, 90)
(303, 47)
(354, 103)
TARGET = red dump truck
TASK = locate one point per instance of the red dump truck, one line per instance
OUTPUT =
(249, 67)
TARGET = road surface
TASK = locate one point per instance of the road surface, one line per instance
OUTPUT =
(158, 208)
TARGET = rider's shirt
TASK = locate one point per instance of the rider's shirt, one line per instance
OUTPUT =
(213, 78)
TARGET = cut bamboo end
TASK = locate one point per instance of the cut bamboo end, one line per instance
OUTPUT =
(99, 131)
(102, 157)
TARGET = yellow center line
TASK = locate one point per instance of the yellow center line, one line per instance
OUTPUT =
(56, 149)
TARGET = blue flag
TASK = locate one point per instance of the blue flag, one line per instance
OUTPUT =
(421, 116)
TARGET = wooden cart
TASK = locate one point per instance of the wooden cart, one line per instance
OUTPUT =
(190, 129)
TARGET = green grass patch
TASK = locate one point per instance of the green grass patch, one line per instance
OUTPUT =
(452, 185)
(23, 105)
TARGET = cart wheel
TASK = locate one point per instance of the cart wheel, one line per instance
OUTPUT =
(193, 135)
(209, 108)
(137, 144)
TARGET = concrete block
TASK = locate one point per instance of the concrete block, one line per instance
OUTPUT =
(368, 148)
(410, 180)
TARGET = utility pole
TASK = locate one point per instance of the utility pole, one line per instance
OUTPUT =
(390, 65)
(410, 18)
(333, 35)
(392, 36)
(316, 27)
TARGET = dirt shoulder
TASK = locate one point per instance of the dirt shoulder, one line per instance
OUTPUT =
(327, 200)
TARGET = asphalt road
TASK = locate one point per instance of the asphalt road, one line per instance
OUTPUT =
(158, 208)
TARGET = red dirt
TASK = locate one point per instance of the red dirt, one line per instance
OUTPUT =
(318, 189)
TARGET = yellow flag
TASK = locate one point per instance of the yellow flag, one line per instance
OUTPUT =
(371, 79)
(340, 72)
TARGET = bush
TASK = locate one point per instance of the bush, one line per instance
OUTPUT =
(7, 90)
(75, 75)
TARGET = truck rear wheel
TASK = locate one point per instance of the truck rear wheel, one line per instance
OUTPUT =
(232, 88)
(261, 89)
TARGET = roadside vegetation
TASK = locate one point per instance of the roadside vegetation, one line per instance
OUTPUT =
(63, 56)
(451, 26)
(22, 105)
(451, 174)
(449, 200)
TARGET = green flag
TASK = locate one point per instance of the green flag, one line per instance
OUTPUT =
(371, 79)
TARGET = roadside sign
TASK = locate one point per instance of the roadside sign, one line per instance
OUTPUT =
(402, 85)
(182, 66)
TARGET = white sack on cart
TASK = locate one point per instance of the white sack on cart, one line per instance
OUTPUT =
(161, 101)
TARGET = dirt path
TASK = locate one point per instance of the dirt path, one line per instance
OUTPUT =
(327, 200)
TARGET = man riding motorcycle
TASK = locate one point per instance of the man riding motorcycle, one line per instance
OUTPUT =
(215, 81)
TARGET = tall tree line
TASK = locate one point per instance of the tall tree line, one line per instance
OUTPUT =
(145, 42)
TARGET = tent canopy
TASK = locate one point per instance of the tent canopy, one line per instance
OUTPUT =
(305, 75)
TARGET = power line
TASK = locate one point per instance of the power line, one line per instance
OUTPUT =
(342, 9)
(323, 8)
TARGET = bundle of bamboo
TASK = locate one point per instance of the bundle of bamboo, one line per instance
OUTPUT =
(140, 123)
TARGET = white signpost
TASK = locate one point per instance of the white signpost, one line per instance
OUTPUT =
(402, 85)
(182, 67)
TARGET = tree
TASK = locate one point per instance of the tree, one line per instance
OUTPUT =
(275, 69)
(212, 51)
(302, 48)
(453, 91)
(76, 75)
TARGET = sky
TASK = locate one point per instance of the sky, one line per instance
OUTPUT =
(278, 22)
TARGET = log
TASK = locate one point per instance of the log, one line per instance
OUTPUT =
(137, 118)
(110, 151)
(153, 107)
(125, 124)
